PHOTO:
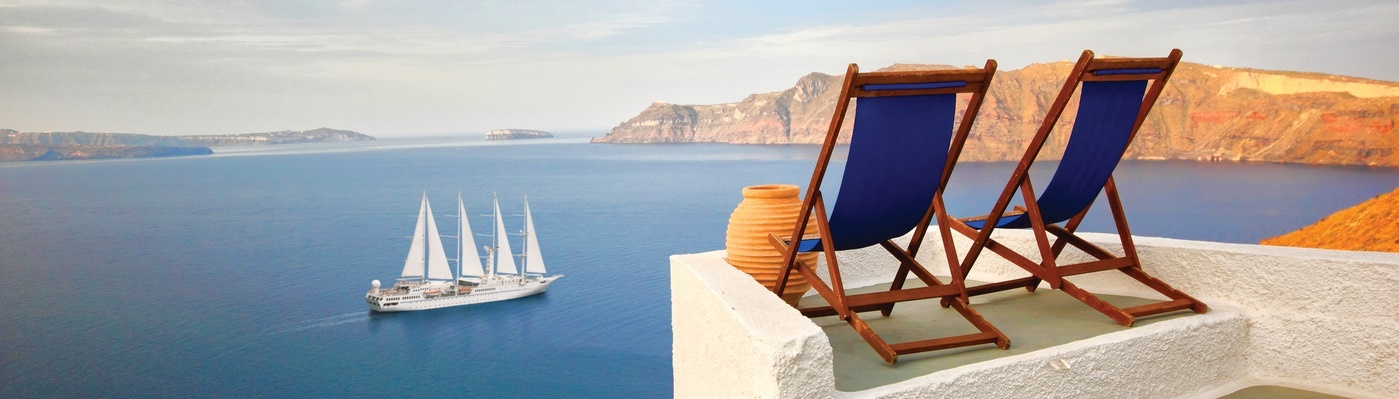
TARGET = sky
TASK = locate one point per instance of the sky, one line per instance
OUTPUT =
(436, 67)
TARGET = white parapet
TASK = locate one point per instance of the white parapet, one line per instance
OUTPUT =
(734, 339)
(1315, 319)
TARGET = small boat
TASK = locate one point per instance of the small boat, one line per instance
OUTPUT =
(427, 281)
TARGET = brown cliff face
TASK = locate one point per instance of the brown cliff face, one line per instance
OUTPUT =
(1205, 113)
(1369, 226)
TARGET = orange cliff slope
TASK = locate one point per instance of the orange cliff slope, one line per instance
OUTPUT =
(1370, 226)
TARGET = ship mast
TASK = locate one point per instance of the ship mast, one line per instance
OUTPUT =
(423, 278)
(461, 220)
(524, 244)
(491, 249)
(505, 260)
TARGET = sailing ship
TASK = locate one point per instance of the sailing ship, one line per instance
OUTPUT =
(427, 281)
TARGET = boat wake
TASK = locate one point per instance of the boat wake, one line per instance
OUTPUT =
(323, 322)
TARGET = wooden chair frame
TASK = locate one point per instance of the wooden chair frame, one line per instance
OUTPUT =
(847, 306)
(1047, 268)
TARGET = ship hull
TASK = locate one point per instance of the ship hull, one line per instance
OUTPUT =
(389, 301)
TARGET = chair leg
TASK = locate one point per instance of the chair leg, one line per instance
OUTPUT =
(881, 347)
(890, 353)
(916, 242)
(996, 247)
(1002, 341)
(1126, 317)
(897, 284)
(841, 307)
(1165, 289)
(1093, 301)
(988, 334)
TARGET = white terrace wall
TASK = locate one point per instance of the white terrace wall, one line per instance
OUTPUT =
(1317, 319)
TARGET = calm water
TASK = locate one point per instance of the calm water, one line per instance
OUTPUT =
(243, 273)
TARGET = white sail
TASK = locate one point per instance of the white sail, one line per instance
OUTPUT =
(534, 261)
(437, 267)
(413, 266)
(505, 260)
(469, 261)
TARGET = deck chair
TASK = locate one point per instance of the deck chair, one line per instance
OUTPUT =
(902, 151)
(1114, 101)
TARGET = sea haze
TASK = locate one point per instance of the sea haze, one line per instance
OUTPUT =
(244, 273)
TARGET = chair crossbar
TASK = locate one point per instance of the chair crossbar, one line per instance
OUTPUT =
(859, 93)
(1066, 236)
(913, 86)
(1131, 63)
(1159, 307)
(1095, 266)
(902, 295)
(1127, 71)
(824, 311)
(963, 75)
(914, 83)
(944, 343)
(1024, 282)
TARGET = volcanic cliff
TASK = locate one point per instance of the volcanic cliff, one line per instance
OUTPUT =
(1369, 226)
(1205, 113)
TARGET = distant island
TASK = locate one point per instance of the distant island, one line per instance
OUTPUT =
(47, 146)
(514, 134)
(1207, 113)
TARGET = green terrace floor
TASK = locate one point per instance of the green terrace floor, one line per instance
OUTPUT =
(1033, 321)
(1277, 392)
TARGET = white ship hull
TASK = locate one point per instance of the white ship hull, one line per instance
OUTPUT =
(404, 298)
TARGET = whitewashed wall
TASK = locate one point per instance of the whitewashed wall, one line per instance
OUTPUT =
(1316, 319)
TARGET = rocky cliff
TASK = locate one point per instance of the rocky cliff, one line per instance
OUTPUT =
(22, 146)
(513, 134)
(1369, 226)
(212, 140)
(1205, 113)
(20, 152)
(322, 135)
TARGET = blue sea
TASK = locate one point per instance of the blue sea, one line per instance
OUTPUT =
(242, 274)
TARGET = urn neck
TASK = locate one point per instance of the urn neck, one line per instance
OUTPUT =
(767, 191)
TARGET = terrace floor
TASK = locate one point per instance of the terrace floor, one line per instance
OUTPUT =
(1033, 321)
(1277, 392)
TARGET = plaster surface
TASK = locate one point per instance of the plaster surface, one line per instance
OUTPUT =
(735, 339)
(1319, 320)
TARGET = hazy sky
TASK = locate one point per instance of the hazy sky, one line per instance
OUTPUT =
(397, 68)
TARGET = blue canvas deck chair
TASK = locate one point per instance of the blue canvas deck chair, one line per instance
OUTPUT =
(1113, 103)
(902, 150)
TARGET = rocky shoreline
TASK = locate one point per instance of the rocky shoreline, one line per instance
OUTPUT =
(18, 146)
(18, 152)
